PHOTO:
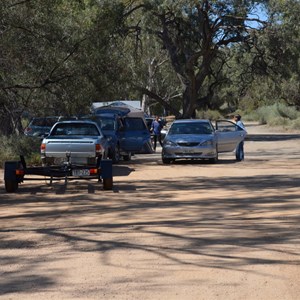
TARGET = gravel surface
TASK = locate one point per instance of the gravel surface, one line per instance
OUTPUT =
(188, 230)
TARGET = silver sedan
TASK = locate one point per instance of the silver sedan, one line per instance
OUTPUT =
(198, 139)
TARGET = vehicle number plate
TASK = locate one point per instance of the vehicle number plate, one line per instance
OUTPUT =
(81, 172)
(189, 151)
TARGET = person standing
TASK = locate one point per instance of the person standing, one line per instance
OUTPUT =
(238, 121)
(156, 128)
(239, 151)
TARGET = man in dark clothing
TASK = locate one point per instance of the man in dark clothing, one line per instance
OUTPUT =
(156, 128)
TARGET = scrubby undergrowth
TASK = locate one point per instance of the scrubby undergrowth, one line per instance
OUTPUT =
(12, 147)
(277, 115)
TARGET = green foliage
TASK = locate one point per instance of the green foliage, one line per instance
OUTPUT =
(295, 124)
(276, 115)
(59, 56)
(12, 147)
(195, 36)
(208, 114)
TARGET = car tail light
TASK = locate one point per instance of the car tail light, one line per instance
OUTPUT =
(98, 148)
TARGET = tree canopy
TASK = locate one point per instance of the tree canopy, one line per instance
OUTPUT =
(57, 57)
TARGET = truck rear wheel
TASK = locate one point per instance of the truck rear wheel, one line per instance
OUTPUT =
(11, 186)
(127, 157)
(116, 155)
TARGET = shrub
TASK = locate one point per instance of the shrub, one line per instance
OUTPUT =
(279, 121)
(12, 147)
(208, 114)
(275, 115)
(295, 124)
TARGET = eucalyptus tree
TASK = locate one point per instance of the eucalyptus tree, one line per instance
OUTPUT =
(282, 43)
(38, 41)
(152, 77)
(270, 68)
(195, 34)
(56, 58)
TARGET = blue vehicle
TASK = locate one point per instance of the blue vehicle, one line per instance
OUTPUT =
(126, 131)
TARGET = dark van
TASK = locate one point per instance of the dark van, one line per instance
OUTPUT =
(126, 131)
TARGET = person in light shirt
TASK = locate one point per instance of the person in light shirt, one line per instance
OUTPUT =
(239, 151)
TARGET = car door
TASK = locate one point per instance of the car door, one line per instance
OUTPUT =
(229, 135)
(135, 136)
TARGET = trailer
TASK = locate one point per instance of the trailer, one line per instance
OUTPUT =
(15, 173)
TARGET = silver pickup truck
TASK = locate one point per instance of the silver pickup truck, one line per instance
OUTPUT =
(75, 142)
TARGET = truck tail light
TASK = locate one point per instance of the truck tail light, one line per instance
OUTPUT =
(98, 148)
(93, 171)
(43, 148)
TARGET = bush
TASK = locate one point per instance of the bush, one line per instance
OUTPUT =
(279, 121)
(208, 114)
(295, 124)
(12, 147)
(276, 115)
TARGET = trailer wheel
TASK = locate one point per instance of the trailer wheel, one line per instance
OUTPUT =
(107, 183)
(11, 186)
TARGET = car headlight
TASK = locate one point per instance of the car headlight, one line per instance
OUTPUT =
(207, 143)
(169, 143)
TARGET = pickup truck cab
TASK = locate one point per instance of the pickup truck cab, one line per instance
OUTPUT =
(79, 142)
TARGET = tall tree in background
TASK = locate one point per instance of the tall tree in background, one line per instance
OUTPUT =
(282, 43)
(39, 40)
(268, 71)
(194, 33)
(56, 58)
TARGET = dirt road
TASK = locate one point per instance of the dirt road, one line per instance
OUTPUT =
(181, 231)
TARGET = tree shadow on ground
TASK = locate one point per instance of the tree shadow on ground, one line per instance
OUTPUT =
(249, 216)
(254, 215)
(228, 225)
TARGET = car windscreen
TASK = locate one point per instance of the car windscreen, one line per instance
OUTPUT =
(80, 129)
(134, 124)
(190, 128)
